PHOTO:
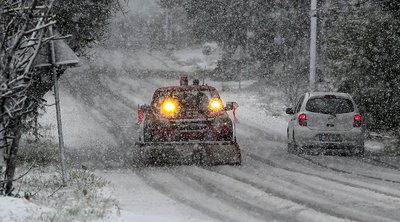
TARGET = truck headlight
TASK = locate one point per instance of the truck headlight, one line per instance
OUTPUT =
(215, 105)
(169, 107)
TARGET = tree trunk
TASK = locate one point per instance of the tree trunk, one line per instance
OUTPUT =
(2, 149)
(11, 159)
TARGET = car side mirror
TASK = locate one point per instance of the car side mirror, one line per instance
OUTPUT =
(231, 105)
(290, 111)
(145, 108)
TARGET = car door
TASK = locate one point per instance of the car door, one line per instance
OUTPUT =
(292, 122)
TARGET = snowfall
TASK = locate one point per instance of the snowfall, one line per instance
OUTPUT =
(271, 185)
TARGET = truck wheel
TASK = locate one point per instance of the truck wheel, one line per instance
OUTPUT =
(358, 151)
(228, 137)
(148, 135)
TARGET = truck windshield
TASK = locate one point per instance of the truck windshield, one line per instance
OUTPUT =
(329, 105)
(188, 99)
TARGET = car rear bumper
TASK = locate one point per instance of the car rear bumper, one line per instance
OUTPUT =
(307, 138)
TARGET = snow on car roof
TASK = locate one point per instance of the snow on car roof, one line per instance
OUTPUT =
(186, 88)
(339, 94)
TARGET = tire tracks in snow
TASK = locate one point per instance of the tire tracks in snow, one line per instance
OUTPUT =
(282, 190)
(343, 182)
(258, 200)
(206, 204)
(218, 191)
(347, 172)
(113, 107)
(366, 197)
(376, 161)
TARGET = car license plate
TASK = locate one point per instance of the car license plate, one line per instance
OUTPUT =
(330, 137)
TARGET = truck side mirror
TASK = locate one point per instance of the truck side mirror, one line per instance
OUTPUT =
(289, 111)
(145, 108)
(142, 109)
(231, 105)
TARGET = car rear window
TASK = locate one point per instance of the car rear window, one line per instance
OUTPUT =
(329, 105)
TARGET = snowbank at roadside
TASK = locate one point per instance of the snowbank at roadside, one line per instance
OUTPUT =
(81, 124)
(20, 210)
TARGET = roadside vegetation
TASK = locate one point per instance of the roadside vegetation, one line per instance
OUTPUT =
(393, 147)
(86, 197)
(23, 25)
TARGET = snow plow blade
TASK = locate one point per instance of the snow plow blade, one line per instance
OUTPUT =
(201, 153)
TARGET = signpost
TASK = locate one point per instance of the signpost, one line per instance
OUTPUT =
(57, 54)
(58, 111)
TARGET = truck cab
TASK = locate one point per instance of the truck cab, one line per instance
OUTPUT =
(188, 119)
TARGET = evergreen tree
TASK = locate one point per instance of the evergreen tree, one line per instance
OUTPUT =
(363, 54)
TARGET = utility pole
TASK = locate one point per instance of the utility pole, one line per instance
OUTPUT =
(168, 29)
(313, 44)
(58, 110)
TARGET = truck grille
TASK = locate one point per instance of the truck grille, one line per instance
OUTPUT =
(193, 127)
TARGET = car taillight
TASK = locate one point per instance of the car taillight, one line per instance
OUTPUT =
(357, 121)
(303, 119)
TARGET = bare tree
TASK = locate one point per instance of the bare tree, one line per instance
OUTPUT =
(23, 26)
(23, 31)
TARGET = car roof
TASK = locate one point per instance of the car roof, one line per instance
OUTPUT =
(338, 94)
(185, 88)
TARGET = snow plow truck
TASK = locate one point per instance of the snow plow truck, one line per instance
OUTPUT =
(187, 124)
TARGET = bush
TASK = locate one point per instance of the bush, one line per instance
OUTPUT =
(41, 152)
(83, 199)
(393, 148)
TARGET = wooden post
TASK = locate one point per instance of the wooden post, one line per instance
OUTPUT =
(58, 110)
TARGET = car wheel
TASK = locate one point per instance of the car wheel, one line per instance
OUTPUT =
(292, 146)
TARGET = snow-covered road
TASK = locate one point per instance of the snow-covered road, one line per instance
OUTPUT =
(271, 185)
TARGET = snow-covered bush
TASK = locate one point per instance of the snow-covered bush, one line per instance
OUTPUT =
(42, 152)
(85, 198)
(360, 51)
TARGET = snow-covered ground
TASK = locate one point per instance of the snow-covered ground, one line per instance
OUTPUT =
(20, 210)
(272, 185)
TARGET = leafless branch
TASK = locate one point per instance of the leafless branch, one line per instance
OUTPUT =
(21, 176)
(40, 27)
(59, 188)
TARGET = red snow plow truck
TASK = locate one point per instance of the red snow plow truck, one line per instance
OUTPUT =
(187, 124)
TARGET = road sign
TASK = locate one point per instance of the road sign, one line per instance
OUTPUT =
(64, 56)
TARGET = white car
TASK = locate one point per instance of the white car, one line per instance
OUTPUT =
(325, 121)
